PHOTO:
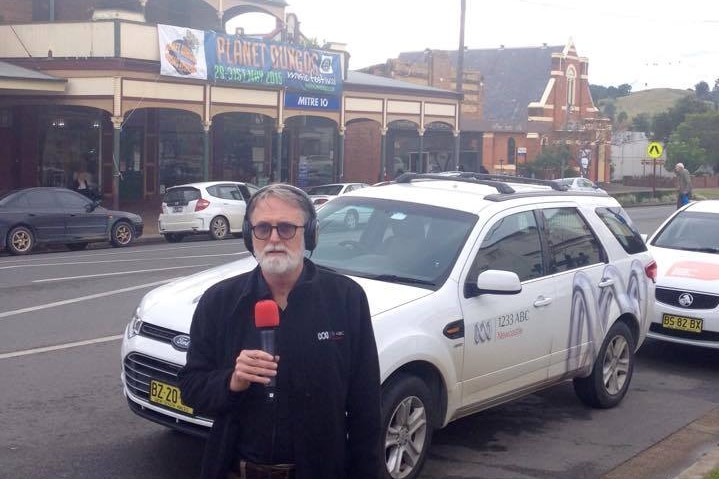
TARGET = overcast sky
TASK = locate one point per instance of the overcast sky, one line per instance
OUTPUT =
(645, 43)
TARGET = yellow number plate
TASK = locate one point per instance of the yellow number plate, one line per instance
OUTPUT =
(693, 325)
(167, 395)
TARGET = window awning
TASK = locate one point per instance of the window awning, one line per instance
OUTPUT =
(18, 79)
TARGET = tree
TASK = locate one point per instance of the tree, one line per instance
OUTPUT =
(641, 122)
(700, 133)
(625, 89)
(598, 92)
(550, 161)
(609, 110)
(622, 117)
(688, 152)
(701, 91)
(664, 124)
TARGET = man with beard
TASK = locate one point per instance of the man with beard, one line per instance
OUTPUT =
(322, 419)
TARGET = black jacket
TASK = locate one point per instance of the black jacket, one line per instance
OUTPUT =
(331, 357)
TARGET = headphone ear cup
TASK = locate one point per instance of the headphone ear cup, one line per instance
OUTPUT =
(247, 235)
(311, 234)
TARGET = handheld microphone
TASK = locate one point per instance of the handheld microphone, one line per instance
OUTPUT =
(267, 320)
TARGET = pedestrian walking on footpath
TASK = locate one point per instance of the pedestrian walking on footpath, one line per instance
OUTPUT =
(684, 185)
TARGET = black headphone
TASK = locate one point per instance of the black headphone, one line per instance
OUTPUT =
(311, 230)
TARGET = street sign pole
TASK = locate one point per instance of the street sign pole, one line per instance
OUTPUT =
(654, 150)
(654, 178)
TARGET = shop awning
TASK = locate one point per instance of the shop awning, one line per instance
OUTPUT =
(21, 80)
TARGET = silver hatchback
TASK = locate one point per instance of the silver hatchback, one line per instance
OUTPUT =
(216, 208)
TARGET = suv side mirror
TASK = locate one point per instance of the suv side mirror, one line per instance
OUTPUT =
(494, 281)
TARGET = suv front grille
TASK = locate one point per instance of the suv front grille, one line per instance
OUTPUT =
(158, 333)
(701, 300)
(141, 369)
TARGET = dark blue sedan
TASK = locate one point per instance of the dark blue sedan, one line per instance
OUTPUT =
(48, 215)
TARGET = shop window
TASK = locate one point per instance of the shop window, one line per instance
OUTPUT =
(242, 143)
(69, 143)
(312, 151)
(181, 148)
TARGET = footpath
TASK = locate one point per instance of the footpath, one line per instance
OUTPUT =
(689, 453)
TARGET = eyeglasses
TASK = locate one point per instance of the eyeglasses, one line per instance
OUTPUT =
(285, 231)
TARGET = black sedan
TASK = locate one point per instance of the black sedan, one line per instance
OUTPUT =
(47, 215)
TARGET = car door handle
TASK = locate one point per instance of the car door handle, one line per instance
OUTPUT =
(542, 301)
(606, 282)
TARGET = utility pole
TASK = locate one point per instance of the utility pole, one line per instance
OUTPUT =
(459, 83)
(460, 53)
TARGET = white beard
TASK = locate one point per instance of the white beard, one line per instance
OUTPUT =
(278, 264)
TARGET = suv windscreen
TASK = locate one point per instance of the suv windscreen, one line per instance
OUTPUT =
(391, 240)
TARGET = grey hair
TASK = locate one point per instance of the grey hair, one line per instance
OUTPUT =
(286, 193)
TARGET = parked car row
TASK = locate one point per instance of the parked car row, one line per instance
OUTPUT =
(436, 255)
(53, 215)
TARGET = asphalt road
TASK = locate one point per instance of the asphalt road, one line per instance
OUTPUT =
(62, 413)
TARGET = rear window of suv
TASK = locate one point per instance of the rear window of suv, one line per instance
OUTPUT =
(181, 195)
(622, 228)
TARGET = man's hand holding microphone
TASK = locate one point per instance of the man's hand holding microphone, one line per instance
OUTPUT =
(259, 365)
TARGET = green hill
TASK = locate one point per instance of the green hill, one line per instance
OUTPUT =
(650, 102)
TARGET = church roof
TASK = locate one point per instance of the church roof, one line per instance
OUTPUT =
(513, 78)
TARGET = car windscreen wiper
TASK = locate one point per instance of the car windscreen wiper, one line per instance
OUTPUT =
(393, 278)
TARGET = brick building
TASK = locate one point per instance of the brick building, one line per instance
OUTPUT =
(146, 94)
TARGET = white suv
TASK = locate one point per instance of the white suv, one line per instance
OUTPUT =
(482, 289)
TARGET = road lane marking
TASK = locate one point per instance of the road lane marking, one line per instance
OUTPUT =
(16, 266)
(58, 347)
(118, 273)
(7, 314)
(112, 252)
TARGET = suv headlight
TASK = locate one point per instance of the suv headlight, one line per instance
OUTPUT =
(133, 329)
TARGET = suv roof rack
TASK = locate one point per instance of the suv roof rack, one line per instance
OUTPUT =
(497, 181)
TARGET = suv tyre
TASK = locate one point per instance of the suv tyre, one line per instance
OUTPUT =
(407, 426)
(612, 372)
